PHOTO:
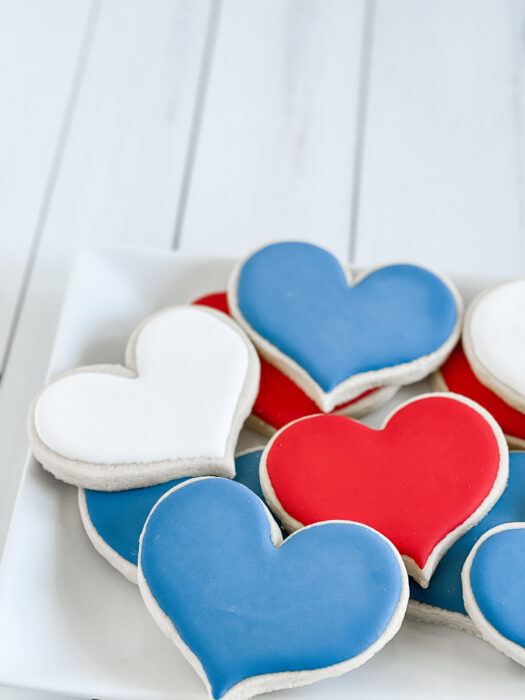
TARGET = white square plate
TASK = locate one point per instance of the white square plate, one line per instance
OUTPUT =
(71, 624)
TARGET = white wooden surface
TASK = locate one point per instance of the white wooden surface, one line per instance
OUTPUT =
(38, 71)
(275, 153)
(383, 129)
(441, 176)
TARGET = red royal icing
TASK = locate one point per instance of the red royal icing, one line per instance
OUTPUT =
(280, 401)
(415, 481)
(459, 377)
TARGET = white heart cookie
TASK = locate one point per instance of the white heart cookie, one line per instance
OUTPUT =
(176, 409)
(494, 341)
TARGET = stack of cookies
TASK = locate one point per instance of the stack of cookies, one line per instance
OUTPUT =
(289, 563)
(487, 366)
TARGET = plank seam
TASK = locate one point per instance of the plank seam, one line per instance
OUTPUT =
(360, 130)
(198, 112)
(48, 191)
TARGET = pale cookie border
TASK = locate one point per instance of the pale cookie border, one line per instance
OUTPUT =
(406, 373)
(127, 475)
(372, 402)
(422, 576)
(486, 631)
(514, 398)
(439, 384)
(423, 612)
(255, 685)
(117, 561)
(106, 551)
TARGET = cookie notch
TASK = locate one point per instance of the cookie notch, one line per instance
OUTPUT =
(258, 684)
(421, 575)
(126, 475)
(401, 374)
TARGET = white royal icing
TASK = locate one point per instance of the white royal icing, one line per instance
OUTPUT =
(497, 331)
(191, 370)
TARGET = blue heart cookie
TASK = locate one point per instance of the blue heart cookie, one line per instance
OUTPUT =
(442, 601)
(394, 324)
(114, 519)
(494, 588)
(253, 613)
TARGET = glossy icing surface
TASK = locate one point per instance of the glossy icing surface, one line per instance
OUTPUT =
(297, 296)
(459, 377)
(245, 607)
(280, 400)
(191, 371)
(119, 516)
(445, 590)
(497, 580)
(418, 479)
(497, 332)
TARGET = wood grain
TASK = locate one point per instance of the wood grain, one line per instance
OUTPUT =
(118, 179)
(40, 44)
(439, 181)
(275, 154)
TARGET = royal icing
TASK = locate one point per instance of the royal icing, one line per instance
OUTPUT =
(247, 608)
(118, 517)
(280, 400)
(494, 585)
(192, 368)
(445, 591)
(435, 468)
(297, 298)
(459, 378)
(494, 339)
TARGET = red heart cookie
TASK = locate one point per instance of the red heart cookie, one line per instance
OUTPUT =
(430, 474)
(280, 400)
(456, 375)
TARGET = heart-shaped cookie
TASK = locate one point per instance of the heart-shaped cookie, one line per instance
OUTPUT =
(457, 376)
(442, 601)
(494, 588)
(114, 520)
(175, 410)
(430, 474)
(254, 614)
(337, 334)
(494, 341)
(280, 401)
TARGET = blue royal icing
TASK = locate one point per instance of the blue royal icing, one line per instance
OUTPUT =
(119, 516)
(445, 590)
(245, 607)
(296, 295)
(497, 580)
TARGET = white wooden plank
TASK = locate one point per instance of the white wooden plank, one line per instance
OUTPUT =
(119, 178)
(441, 154)
(276, 147)
(39, 47)
(123, 166)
